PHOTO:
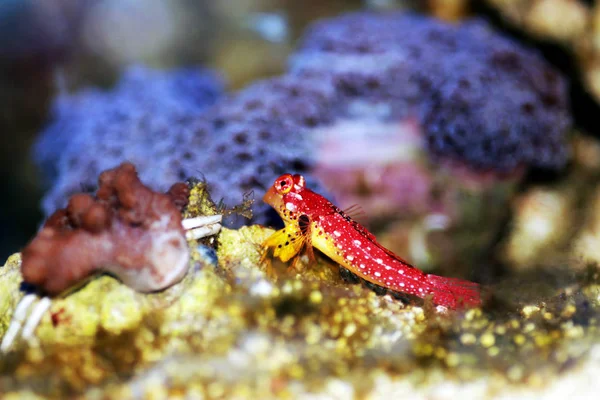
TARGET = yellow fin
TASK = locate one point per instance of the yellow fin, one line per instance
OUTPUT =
(286, 242)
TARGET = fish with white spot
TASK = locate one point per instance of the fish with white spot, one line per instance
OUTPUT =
(315, 221)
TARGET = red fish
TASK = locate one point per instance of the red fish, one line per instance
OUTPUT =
(312, 220)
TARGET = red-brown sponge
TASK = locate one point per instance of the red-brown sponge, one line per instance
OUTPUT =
(126, 229)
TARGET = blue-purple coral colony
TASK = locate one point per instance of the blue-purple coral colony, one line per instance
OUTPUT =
(479, 98)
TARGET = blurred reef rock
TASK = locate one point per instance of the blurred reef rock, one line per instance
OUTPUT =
(573, 25)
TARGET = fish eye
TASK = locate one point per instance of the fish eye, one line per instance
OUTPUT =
(284, 183)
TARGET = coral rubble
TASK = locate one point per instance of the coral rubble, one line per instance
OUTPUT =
(126, 229)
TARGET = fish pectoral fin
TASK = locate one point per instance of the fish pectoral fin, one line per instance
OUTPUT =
(286, 242)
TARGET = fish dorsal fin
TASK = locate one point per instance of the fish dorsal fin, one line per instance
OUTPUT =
(355, 212)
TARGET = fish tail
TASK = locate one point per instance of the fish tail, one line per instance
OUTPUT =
(454, 293)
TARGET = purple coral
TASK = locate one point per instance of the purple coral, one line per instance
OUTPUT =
(461, 92)
(261, 132)
(142, 120)
(242, 142)
(481, 99)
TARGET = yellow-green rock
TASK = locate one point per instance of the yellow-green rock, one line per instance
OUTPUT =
(240, 329)
(10, 279)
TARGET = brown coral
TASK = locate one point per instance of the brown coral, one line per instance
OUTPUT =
(126, 229)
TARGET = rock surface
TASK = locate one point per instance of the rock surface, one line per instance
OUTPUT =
(231, 330)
